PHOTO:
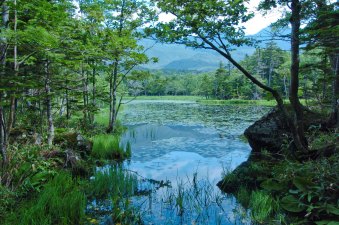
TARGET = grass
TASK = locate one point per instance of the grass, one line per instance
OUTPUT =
(238, 102)
(114, 182)
(168, 97)
(107, 146)
(261, 102)
(193, 201)
(243, 196)
(113, 187)
(61, 202)
(262, 205)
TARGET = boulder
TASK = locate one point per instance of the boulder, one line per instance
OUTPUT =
(268, 133)
(271, 132)
(75, 141)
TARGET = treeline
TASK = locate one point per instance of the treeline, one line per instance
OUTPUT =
(64, 57)
(270, 65)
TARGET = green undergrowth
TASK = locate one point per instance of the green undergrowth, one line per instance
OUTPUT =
(60, 202)
(107, 146)
(306, 191)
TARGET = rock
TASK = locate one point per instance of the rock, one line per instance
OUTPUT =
(74, 141)
(84, 145)
(271, 132)
(21, 135)
(268, 133)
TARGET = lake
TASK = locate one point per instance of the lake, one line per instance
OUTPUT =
(180, 150)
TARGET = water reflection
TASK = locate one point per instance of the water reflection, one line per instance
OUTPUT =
(189, 145)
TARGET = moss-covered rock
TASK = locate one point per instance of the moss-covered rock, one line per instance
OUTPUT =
(74, 141)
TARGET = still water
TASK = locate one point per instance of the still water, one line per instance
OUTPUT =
(186, 148)
(180, 150)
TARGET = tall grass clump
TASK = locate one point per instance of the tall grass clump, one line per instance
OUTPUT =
(60, 202)
(113, 182)
(117, 185)
(262, 205)
(243, 196)
(107, 146)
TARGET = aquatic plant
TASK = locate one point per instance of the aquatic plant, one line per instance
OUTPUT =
(193, 201)
(113, 181)
(113, 188)
(106, 146)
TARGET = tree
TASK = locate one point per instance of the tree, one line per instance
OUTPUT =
(221, 76)
(216, 25)
(322, 32)
(122, 20)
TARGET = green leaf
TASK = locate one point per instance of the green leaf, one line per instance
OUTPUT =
(302, 183)
(332, 209)
(271, 185)
(291, 204)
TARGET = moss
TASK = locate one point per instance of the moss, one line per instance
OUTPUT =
(66, 139)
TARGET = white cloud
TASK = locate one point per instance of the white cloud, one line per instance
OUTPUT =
(260, 21)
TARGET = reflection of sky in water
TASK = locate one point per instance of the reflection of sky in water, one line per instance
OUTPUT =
(172, 140)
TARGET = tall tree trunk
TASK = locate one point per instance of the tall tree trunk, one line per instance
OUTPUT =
(93, 91)
(113, 97)
(334, 117)
(16, 71)
(85, 93)
(285, 86)
(3, 134)
(297, 117)
(49, 105)
(67, 102)
(3, 58)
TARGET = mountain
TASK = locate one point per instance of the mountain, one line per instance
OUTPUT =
(180, 58)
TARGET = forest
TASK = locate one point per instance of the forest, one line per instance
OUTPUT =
(79, 131)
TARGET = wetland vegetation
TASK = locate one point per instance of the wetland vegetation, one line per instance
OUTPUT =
(243, 130)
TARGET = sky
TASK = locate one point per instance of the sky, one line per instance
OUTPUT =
(256, 24)
(259, 21)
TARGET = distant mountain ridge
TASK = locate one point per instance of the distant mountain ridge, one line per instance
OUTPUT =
(181, 58)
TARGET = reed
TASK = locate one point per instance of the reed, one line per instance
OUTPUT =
(106, 146)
